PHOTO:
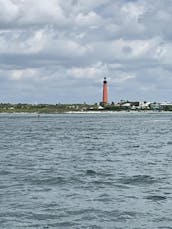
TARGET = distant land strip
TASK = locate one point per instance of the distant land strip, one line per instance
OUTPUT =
(64, 108)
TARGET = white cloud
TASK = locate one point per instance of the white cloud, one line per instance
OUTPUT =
(41, 11)
(132, 10)
(21, 74)
(122, 77)
(90, 19)
(8, 11)
(19, 12)
(95, 72)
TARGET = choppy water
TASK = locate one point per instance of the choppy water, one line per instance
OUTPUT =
(86, 171)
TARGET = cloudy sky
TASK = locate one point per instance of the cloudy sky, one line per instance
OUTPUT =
(59, 50)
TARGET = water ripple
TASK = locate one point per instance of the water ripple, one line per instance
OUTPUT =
(75, 171)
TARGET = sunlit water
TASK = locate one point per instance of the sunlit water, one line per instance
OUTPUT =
(86, 171)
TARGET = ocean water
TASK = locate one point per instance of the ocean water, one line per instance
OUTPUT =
(93, 171)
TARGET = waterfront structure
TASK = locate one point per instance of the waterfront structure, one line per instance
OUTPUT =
(105, 92)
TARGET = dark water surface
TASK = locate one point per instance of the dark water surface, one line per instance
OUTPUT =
(86, 171)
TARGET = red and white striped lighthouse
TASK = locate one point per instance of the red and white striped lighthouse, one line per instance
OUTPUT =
(105, 91)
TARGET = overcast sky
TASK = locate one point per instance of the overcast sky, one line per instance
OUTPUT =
(55, 51)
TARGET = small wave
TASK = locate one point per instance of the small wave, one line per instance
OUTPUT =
(48, 181)
(137, 180)
(165, 227)
(90, 172)
(157, 120)
(4, 172)
(121, 216)
(135, 146)
(169, 143)
(156, 198)
(102, 182)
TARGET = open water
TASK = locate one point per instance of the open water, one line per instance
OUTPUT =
(92, 171)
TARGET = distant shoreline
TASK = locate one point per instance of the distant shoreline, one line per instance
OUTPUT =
(85, 112)
(83, 108)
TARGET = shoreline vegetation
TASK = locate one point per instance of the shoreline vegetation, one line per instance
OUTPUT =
(76, 108)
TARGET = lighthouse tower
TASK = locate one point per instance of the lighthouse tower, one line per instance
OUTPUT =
(105, 92)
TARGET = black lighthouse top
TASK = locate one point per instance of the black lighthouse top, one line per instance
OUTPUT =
(104, 81)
